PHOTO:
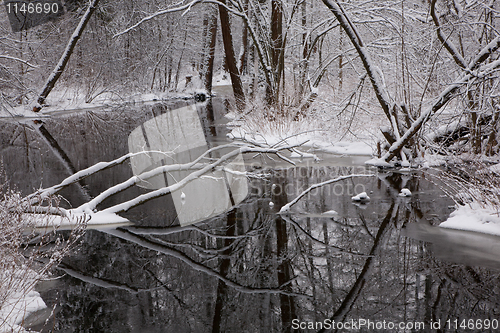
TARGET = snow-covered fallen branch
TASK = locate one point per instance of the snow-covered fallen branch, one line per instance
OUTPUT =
(41, 194)
(198, 169)
(286, 208)
(122, 207)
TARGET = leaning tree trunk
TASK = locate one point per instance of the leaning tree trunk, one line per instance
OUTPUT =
(56, 73)
(475, 69)
(232, 67)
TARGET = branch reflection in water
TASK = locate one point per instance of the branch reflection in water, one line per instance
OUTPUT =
(251, 268)
(177, 137)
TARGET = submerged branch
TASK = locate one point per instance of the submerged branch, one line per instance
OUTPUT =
(286, 208)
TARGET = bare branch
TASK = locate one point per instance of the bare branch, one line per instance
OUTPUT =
(286, 208)
(17, 59)
(371, 70)
(159, 13)
(445, 41)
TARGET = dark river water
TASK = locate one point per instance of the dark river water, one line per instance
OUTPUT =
(217, 257)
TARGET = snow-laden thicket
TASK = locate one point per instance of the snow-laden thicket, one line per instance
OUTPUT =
(475, 187)
(26, 258)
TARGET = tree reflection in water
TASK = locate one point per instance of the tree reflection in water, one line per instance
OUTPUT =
(256, 271)
(253, 270)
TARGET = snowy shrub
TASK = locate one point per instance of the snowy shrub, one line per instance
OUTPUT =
(475, 183)
(26, 256)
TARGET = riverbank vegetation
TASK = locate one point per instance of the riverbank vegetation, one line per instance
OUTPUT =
(26, 257)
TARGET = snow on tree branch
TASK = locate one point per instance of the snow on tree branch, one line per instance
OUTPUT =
(63, 61)
(185, 7)
(445, 40)
(17, 59)
(198, 167)
(372, 70)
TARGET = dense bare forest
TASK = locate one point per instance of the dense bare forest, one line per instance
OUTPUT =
(410, 61)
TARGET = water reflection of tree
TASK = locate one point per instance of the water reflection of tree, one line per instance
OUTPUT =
(254, 269)
(251, 270)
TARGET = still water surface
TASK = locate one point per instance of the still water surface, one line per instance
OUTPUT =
(222, 260)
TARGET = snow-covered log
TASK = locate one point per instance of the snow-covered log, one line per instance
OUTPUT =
(200, 168)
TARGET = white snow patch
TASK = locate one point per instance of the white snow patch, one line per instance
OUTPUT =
(92, 219)
(297, 154)
(221, 79)
(405, 164)
(361, 197)
(405, 193)
(378, 162)
(350, 148)
(329, 213)
(294, 136)
(20, 301)
(475, 218)
(73, 99)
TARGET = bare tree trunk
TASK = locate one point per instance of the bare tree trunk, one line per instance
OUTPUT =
(276, 50)
(475, 127)
(341, 62)
(56, 73)
(179, 63)
(305, 50)
(208, 63)
(232, 67)
(491, 145)
(244, 42)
